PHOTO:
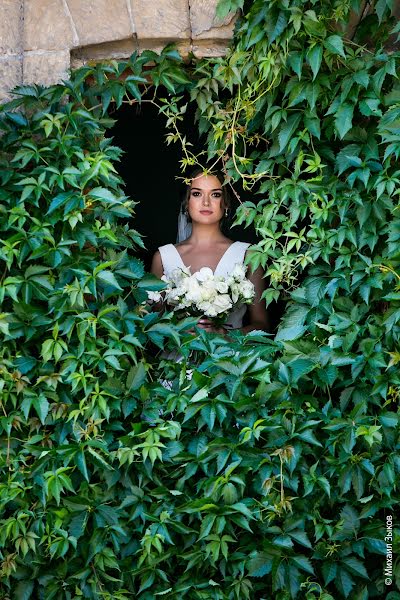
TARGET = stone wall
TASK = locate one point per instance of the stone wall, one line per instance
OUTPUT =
(40, 40)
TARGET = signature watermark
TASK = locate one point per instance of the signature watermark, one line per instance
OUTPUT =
(388, 571)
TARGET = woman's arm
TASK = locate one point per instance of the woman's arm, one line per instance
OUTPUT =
(257, 310)
(157, 270)
(156, 265)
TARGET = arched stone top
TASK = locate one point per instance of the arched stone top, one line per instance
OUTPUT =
(41, 39)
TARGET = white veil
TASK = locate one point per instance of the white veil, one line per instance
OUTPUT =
(184, 225)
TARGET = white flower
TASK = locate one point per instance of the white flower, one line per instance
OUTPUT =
(208, 291)
(154, 296)
(176, 276)
(235, 292)
(204, 274)
(205, 292)
(207, 308)
(222, 303)
(247, 289)
(193, 290)
(222, 286)
(238, 272)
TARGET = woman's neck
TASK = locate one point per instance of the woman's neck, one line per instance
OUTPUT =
(202, 235)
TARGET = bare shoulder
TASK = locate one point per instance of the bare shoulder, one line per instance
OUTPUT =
(156, 264)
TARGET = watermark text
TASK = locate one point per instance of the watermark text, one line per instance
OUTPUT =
(388, 571)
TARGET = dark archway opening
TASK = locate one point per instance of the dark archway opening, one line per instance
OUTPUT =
(150, 169)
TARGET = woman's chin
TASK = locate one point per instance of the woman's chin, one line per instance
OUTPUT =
(206, 219)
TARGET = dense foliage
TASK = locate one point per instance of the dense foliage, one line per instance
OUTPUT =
(272, 464)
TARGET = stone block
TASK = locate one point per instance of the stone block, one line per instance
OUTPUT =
(10, 75)
(209, 48)
(47, 25)
(10, 26)
(46, 68)
(106, 51)
(162, 20)
(158, 45)
(98, 21)
(204, 23)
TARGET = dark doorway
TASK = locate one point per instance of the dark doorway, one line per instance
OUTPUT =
(149, 168)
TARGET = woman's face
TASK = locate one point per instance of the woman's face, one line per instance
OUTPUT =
(205, 203)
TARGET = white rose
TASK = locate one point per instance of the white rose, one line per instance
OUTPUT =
(172, 297)
(207, 308)
(239, 271)
(247, 289)
(235, 292)
(204, 274)
(193, 290)
(177, 275)
(221, 286)
(222, 303)
(208, 291)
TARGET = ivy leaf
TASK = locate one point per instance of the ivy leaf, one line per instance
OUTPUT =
(301, 537)
(25, 363)
(314, 58)
(41, 406)
(334, 44)
(81, 463)
(345, 582)
(225, 7)
(108, 278)
(295, 60)
(24, 590)
(280, 26)
(58, 201)
(355, 565)
(136, 377)
(290, 333)
(303, 563)
(344, 119)
(381, 7)
(287, 130)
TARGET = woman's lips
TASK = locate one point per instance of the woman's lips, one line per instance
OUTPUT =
(206, 212)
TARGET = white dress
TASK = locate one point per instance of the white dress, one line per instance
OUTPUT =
(235, 253)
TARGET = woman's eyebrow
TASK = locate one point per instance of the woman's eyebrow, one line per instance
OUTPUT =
(201, 189)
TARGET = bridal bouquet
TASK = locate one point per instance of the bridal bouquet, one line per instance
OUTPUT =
(205, 294)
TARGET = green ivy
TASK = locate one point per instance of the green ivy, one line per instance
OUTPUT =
(255, 467)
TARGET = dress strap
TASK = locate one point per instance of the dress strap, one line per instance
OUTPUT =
(170, 257)
(235, 254)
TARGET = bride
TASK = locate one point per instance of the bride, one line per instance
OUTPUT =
(201, 243)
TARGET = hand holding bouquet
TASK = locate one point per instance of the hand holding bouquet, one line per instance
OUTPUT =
(205, 294)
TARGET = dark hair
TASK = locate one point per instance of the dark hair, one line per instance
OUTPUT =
(226, 197)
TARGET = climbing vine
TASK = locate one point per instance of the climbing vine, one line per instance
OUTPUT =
(266, 467)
